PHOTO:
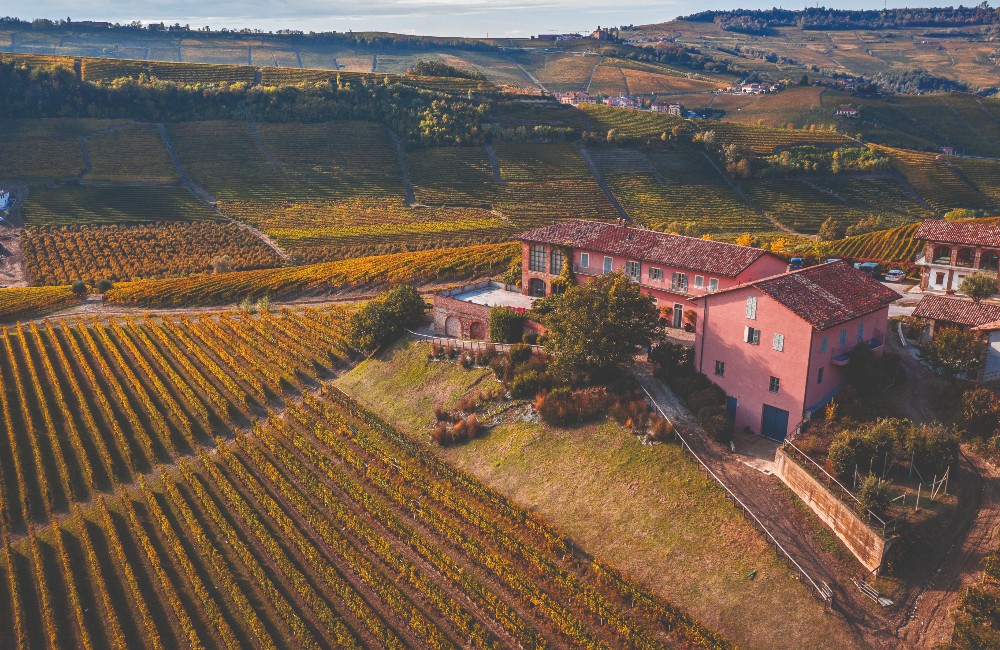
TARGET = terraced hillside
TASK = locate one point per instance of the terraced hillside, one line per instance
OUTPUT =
(146, 523)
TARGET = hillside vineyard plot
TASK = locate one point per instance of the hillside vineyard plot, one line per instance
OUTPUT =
(314, 231)
(323, 528)
(93, 204)
(62, 255)
(26, 302)
(89, 406)
(434, 266)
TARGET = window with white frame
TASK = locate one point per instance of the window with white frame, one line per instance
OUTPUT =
(585, 260)
(655, 274)
(713, 285)
(774, 384)
(634, 271)
(679, 281)
(607, 264)
(699, 281)
(778, 342)
(751, 335)
(752, 307)
(536, 259)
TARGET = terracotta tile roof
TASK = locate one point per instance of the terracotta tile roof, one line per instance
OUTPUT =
(714, 257)
(957, 310)
(969, 233)
(823, 295)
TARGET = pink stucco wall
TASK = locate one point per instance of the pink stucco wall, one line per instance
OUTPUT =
(661, 290)
(748, 368)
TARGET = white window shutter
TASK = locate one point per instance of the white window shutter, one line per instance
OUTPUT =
(752, 307)
(746, 334)
(779, 342)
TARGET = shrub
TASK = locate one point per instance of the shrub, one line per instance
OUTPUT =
(660, 429)
(103, 285)
(525, 384)
(453, 352)
(468, 403)
(932, 447)
(710, 396)
(873, 495)
(866, 449)
(631, 411)
(467, 360)
(529, 338)
(485, 355)
(686, 384)
(439, 435)
(506, 325)
(980, 411)
(79, 287)
(716, 421)
(671, 356)
(518, 353)
(566, 406)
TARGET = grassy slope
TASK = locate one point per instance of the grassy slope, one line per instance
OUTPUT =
(648, 510)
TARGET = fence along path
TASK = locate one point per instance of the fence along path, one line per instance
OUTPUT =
(821, 588)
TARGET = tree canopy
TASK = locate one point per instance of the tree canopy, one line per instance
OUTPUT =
(598, 326)
(953, 352)
(385, 318)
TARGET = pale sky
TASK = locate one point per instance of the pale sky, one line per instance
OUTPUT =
(431, 17)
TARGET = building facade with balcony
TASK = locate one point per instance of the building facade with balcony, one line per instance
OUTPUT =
(777, 346)
(670, 268)
(953, 250)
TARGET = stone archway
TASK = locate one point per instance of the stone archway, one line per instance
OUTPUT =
(453, 327)
(477, 330)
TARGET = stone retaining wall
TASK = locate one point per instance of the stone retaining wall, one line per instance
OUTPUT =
(860, 538)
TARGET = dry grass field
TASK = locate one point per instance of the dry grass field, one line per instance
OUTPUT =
(648, 509)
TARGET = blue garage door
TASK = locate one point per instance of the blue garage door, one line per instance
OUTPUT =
(731, 404)
(775, 423)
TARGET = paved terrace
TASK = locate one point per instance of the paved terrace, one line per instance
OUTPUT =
(495, 296)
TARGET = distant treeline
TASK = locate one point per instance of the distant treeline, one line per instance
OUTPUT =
(421, 117)
(759, 21)
(346, 39)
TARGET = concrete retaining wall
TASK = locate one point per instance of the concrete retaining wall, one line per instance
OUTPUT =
(860, 538)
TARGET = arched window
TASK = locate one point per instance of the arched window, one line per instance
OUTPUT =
(537, 288)
(989, 261)
(942, 255)
(965, 257)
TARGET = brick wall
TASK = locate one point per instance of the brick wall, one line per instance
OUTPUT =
(866, 545)
(466, 313)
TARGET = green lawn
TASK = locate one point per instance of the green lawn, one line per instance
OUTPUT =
(648, 510)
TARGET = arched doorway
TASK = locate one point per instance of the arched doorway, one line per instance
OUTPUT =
(537, 287)
(453, 327)
(477, 330)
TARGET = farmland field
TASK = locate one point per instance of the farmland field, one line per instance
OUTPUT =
(134, 153)
(83, 204)
(27, 302)
(329, 527)
(424, 267)
(64, 254)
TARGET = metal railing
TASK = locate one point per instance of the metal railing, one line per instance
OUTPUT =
(472, 345)
(823, 592)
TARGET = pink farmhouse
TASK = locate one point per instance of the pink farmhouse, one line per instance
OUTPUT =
(671, 268)
(776, 346)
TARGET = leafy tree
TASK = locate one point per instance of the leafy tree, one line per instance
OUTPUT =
(829, 230)
(597, 326)
(385, 318)
(438, 69)
(79, 288)
(953, 352)
(980, 412)
(959, 214)
(506, 325)
(866, 449)
(103, 285)
(222, 264)
(746, 239)
(979, 286)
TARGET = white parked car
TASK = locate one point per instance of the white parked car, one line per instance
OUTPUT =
(894, 275)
